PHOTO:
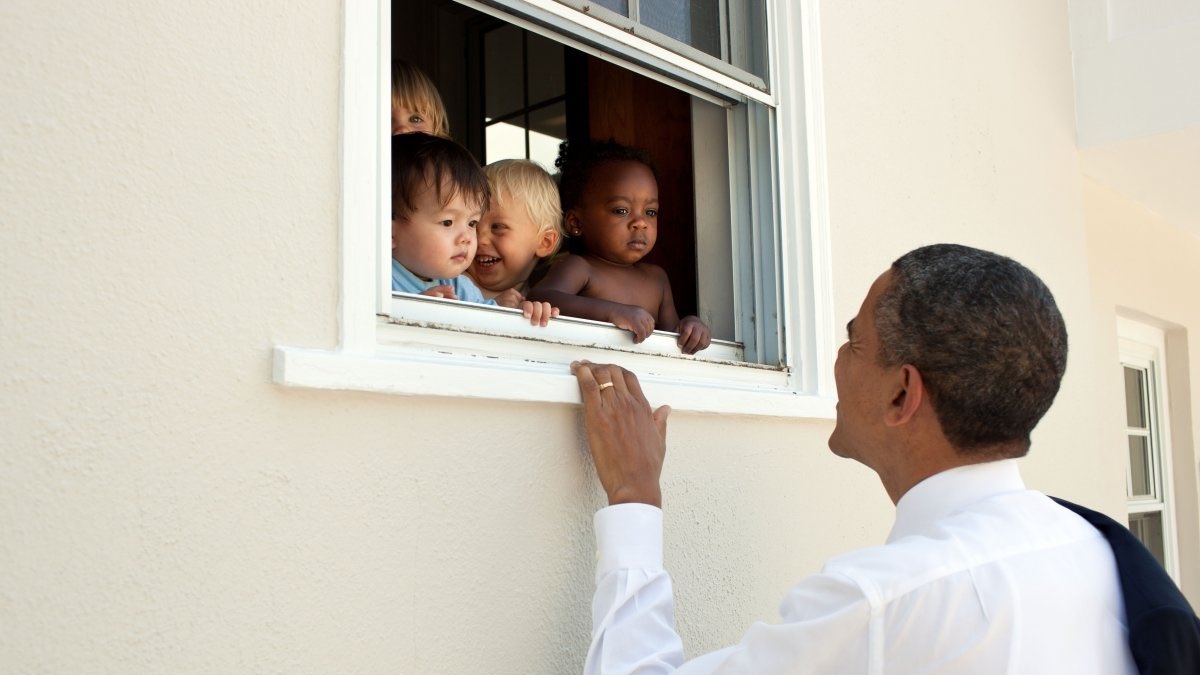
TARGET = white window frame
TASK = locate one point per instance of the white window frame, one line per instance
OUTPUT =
(732, 34)
(517, 362)
(1143, 346)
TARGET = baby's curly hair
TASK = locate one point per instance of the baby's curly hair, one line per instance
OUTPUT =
(578, 159)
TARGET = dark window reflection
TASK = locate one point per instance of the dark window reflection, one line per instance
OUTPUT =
(524, 96)
(1140, 469)
(1148, 527)
(1135, 397)
(618, 6)
(696, 23)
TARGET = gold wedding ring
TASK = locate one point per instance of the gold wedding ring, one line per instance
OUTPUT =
(605, 385)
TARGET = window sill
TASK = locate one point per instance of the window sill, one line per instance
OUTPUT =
(501, 362)
(455, 317)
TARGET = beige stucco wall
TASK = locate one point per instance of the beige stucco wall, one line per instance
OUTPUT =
(170, 215)
(953, 122)
(1146, 269)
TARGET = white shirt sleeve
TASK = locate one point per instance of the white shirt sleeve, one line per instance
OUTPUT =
(825, 628)
(979, 576)
(633, 622)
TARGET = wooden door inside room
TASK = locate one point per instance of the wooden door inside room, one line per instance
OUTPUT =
(638, 111)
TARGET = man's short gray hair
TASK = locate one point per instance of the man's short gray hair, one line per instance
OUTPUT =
(986, 336)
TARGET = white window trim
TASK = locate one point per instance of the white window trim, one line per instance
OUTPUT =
(1144, 346)
(607, 36)
(374, 354)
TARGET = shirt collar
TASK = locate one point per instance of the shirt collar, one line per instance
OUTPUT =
(944, 493)
(404, 276)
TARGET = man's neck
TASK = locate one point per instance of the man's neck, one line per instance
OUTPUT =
(926, 464)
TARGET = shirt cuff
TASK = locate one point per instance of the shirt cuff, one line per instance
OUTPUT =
(628, 536)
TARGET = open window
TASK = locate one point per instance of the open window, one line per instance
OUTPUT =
(517, 82)
(1148, 476)
(751, 257)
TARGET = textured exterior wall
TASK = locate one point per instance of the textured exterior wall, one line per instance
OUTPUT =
(1146, 267)
(170, 196)
(953, 122)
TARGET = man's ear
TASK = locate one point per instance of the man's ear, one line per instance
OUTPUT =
(395, 226)
(909, 393)
(547, 242)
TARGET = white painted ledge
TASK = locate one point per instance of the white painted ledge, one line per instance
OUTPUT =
(443, 348)
(491, 378)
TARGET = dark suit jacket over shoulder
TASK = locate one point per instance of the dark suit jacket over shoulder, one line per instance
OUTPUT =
(1164, 632)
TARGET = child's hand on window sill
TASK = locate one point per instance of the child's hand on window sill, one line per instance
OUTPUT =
(693, 334)
(538, 313)
(443, 291)
(633, 319)
(510, 298)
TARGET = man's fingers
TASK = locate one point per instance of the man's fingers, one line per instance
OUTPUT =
(589, 388)
(626, 438)
(594, 378)
(660, 420)
(634, 387)
(618, 376)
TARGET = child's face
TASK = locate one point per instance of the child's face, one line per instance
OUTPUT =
(510, 244)
(617, 214)
(435, 241)
(407, 121)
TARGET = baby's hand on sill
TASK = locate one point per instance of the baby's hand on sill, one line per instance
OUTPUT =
(538, 313)
(510, 298)
(443, 291)
(693, 335)
(634, 319)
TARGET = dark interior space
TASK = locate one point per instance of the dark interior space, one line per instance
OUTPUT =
(500, 82)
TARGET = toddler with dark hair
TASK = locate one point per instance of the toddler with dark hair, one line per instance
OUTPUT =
(610, 205)
(438, 194)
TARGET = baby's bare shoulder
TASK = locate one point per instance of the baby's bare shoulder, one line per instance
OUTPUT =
(571, 265)
(652, 271)
(572, 261)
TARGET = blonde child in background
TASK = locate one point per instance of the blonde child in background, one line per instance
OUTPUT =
(439, 193)
(521, 228)
(416, 104)
(609, 198)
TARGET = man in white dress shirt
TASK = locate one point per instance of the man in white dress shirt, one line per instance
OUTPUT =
(953, 358)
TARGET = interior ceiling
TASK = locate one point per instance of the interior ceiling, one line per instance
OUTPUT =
(1160, 172)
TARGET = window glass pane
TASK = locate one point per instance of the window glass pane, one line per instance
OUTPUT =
(1135, 410)
(542, 129)
(546, 77)
(748, 36)
(619, 6)
(697, 23)
(706, 27)
(504, 91)
(1148, 528)
(1139, 467)
(505, 140)
(547, 128)
(730, 31)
